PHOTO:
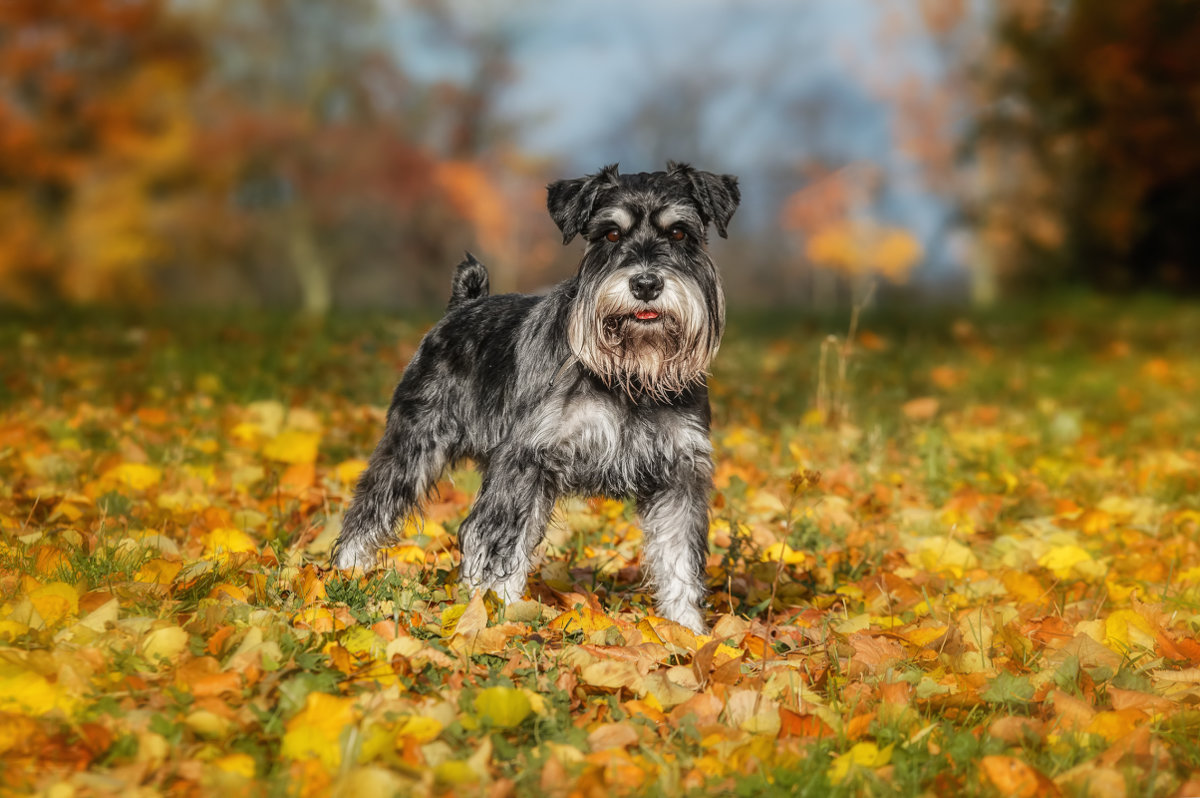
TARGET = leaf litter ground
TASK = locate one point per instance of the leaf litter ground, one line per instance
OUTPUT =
(971, 565)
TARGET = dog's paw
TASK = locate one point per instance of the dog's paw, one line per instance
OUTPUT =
(686, 616)
(347, 554)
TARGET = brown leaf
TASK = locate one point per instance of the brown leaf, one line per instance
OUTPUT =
(1014, 729)
(1133, 699)
(612, 735)
(1070, 712)
(875, 651)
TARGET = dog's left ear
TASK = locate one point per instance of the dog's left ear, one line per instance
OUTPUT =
(571, 202)
(717, 196)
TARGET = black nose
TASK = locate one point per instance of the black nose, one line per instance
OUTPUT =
(646, 286)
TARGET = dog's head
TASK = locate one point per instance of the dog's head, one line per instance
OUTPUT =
(649, 312)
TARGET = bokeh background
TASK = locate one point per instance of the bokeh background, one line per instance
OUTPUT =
(312, 156)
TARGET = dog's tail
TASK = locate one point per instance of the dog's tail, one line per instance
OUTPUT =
(470, 282)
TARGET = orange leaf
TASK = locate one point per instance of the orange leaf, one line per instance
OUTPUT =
(793, 724)
(1012, 777)
(215, 684)
(922, 409)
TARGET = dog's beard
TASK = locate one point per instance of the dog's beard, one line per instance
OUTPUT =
(657, 357)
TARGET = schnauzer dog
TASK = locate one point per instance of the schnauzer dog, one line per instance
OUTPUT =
(597, 388)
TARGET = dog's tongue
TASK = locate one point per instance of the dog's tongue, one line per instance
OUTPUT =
(646, 315)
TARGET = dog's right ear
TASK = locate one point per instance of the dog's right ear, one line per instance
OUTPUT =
(571, 202)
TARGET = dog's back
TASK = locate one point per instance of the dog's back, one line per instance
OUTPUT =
(470, 282)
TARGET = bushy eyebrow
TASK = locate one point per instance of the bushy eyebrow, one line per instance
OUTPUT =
(674, 214)
(617, 215)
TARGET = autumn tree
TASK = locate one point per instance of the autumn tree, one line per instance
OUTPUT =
(1091, 143)
(94, 134)
(303, 162)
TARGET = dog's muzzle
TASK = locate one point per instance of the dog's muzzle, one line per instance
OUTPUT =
(646, 286)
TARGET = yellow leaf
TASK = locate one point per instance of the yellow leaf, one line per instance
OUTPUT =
(419, 728)
(924, 636)
(23, 691)
(943, 554)
(227, 590)
(207, 723)
(790, 556)
(867, 755)
(348, 471)
(224, 541)
(450, 617)
(158, 572)
(1125, 629)
(1114, 725)
(238, 764)
(293, 446)
(55, 601)
(137, 476)
(403, 554)
(166, 643)
(648, 634)
(1069, 561)
(503, 707)
(1023, 586)
(455, 771)
(582, 619)
(11, 630)
(315, 731)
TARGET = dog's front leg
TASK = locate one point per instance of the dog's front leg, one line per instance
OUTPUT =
(675, 526)
(405, 465)
(506, 524)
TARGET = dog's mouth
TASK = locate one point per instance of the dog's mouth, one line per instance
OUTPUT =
(647, 316)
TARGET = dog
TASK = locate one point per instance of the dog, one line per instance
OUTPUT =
(596, 388)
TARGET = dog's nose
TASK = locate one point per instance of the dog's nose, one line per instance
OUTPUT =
(646, 285)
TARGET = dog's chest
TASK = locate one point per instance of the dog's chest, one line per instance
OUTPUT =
(596, 446)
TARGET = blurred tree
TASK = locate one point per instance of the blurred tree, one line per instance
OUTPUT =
(1090, 144)
(94, 132)
(305, 164)
(320, 157)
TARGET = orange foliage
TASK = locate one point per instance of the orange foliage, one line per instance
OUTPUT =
(95, 124)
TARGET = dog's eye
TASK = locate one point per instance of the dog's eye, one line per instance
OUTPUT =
(676, 233)
(613, 235)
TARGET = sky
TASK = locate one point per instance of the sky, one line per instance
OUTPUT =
(752, 87)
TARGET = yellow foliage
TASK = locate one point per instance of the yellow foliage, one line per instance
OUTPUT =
(238, 764)
(858, 249)
(1126, 629)
(418, 727)
(220, 543)
(293, 446)
(348, 471)
(861, 755)
(55, 601)
(315, 731)
(165, 643)
(137, 476)
(790, 556)
(503, 707)
(24, 691)
(1070, 561)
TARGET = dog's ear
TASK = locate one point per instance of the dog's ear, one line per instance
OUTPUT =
(571, 202)
(717, 196)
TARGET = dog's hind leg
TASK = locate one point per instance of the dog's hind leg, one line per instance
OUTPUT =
(675, 522)
(505, 526)
(405, 465)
